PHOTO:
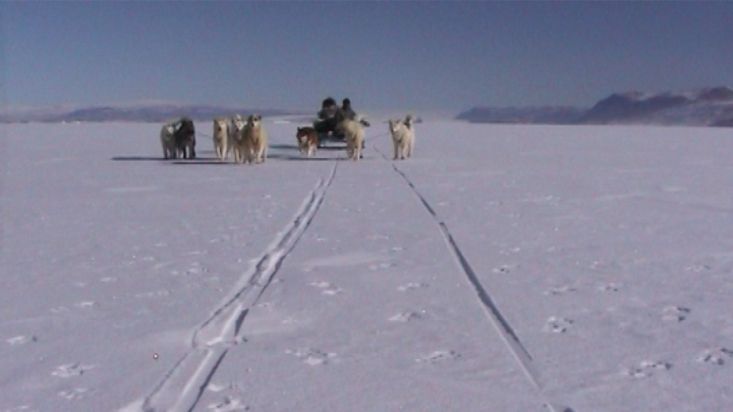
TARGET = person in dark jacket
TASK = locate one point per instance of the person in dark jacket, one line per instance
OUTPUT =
(346, 111)
(327, 120)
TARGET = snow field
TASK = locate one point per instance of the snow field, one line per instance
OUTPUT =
(501, 268)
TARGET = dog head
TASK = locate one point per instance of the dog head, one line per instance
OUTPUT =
(254, 121)
(236, 126)
(408, 121)
(220, 125)
(168, 130)
(237, 123)
(302, 135)
(394, 125)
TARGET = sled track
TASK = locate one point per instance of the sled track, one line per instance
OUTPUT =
(498, 321)
(182, 387)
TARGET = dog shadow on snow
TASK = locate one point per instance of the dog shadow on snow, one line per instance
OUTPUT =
(295, 147)
(198, 160)
(137, 158)
(214, 160)
(293, 154)
(301, 158)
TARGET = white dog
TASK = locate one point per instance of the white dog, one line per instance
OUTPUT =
(236, 142)
(168, 141)
(403, 137)
(221, 137)
(254, 140)
(354, 136)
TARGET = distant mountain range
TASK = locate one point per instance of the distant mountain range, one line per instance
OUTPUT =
(147, 112)
(706, 107)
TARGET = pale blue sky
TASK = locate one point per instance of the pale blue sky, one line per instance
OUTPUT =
(384, 55)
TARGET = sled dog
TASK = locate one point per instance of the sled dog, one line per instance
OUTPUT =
(168, 141)
(354, 136)
(254, 139)
(185, 138)
(403, 137)
(236, 138)
(221, 137)
(307, 140)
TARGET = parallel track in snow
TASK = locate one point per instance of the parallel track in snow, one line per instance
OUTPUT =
(182, 387)
(515, 346)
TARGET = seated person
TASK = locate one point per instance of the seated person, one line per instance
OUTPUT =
(346, 112)
(327, 119)
(331, 115)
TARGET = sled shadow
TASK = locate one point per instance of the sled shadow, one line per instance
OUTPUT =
(283, 146)
(343, 147)
(299, 158)
(295, 147)
(194, 162)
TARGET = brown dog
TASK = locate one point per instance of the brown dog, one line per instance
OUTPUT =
(307, 140)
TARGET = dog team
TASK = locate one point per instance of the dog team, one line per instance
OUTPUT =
(247, 139)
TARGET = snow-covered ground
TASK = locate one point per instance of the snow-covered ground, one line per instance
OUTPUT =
(503, 268)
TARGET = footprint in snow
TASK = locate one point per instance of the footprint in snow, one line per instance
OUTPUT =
(327, 288)
(228, 404)
(609, 287)
(86, 304)
(438, 356)
(404, 317)
(197, 269)
(698, 268)
(412, 286)
(646, 368)
(73, 394)
(716, 356)
(675, 313)
(557, 325)
(312, 357)
(219, 387)
(559, 290)
(511, 251)
(21, 340)
(503, 269)
(380, 266)
(153, 294)
(70, 370)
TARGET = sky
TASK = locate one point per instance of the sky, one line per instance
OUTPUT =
(383, 55)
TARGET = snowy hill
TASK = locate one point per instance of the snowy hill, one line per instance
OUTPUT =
(706, 107)
(503, 268)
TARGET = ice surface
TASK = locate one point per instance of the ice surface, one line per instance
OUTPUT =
(501, 268)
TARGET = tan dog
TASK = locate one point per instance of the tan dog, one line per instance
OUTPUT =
(403, 137)
(354, 136)
(307, 140)
(254, 139)
(221, 137)
(236, 139)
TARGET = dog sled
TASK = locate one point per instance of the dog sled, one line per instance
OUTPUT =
(328, 119)
(331, 137)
